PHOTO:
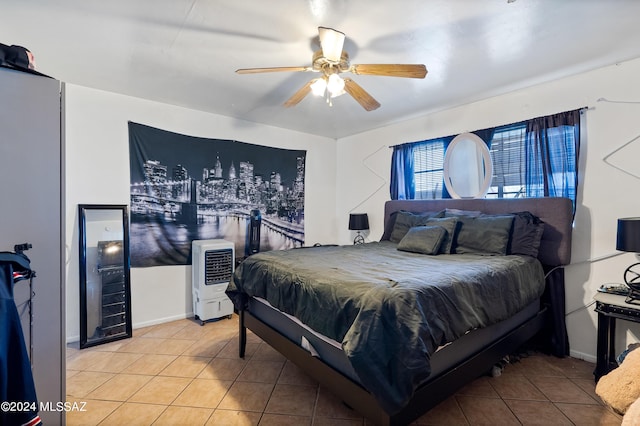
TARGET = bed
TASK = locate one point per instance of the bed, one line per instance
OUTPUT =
(394, 327)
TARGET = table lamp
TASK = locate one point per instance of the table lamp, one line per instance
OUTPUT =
(358, 222)
(628, 239)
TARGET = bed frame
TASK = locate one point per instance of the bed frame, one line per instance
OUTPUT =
(555, 251)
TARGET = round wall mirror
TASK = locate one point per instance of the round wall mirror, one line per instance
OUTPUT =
(467, 167)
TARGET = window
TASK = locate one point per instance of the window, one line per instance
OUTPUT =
(428, 160)
(507, 154)
(533, 158)
(507, 149)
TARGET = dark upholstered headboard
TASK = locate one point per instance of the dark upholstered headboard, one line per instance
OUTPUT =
(556, 213)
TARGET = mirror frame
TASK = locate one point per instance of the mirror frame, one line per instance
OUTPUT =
(122, 214)
(487, 164)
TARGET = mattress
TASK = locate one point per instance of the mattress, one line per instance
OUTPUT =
(331, 353)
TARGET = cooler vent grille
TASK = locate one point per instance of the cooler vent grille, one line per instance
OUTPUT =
(218, 266)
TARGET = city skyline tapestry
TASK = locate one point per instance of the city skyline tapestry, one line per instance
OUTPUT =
(186, 188)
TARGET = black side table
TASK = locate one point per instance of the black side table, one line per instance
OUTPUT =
(610, 307)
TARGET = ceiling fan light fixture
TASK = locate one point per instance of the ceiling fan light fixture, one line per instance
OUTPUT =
(331, 42)
(339, 93)
(319, 86)
(335, 85)
(331, 86)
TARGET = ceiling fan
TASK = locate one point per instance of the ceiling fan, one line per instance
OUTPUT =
(330, 61)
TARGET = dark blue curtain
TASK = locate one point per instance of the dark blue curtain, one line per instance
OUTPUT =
(486, 135)
(402, 185)
(552, 148)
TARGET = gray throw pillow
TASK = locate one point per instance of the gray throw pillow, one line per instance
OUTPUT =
(485, 234)
(457, 212)
(450, 224)
(423, 239)
(526, 234)
(405, 220)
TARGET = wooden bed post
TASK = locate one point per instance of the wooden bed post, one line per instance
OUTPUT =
(243, 335)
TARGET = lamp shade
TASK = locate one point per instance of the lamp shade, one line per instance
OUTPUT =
(358, 221)
(331, 42)
(628, 238)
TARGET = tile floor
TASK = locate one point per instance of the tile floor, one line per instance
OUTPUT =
(181, 373)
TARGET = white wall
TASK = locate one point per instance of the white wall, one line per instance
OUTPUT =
(97, 172)
(363, 170)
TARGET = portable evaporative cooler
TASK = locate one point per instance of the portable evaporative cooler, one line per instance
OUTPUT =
(212, 267)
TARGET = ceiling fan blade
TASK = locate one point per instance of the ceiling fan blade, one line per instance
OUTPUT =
(391, 70)
(331, 42)
(272, 69)
(299, 95)
(360, 95)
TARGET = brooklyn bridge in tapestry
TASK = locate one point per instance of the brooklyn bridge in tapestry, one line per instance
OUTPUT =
(185, 188)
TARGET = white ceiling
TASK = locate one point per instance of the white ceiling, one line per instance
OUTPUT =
(185, 52)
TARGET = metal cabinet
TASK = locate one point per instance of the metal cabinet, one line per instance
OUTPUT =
(31, 169)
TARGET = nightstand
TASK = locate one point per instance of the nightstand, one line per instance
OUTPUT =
(609, 308)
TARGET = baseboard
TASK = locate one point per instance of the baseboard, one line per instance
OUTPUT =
(162, 320)
(580, 355)
(76, 338)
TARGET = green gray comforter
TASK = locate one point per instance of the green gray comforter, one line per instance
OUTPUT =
(390, 309)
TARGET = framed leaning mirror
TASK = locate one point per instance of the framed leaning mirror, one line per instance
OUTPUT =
(468, 168)
(105, 286)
